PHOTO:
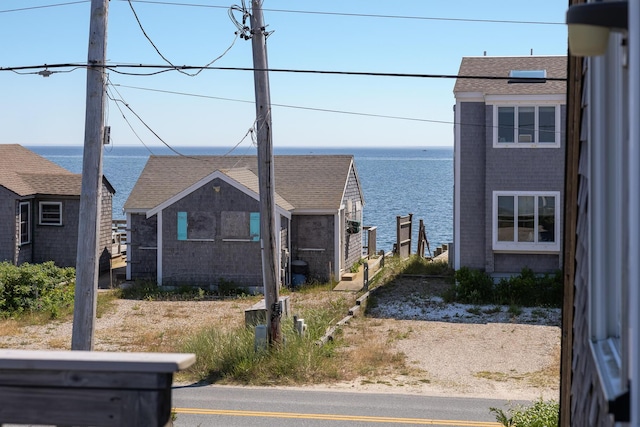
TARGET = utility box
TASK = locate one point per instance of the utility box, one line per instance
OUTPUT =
(257, 313)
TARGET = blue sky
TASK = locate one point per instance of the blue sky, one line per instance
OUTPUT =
(50, 111)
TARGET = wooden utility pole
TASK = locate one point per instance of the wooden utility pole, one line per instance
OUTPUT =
(265, 174)
(90, 198)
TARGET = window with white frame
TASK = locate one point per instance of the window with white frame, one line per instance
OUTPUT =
(526, 125)
(50, 213)
(25, 223)
(526, 221)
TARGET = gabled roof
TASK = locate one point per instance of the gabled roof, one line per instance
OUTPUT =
(310, 182)
(27, 173)
(495, 66)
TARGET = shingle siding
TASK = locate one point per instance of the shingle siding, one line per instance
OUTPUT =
(353, 242)
(143, 246)
(105, 238)
(206, 263)
(521, 169)
(57, 243)
(7, 225)
(589, 406)
(312, 241)
(472, 184)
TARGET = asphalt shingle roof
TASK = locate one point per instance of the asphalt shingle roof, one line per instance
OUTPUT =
(495, 66)
(27, 173)
(315, 182)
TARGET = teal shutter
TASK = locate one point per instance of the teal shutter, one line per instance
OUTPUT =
(182, 226)
(254, 226)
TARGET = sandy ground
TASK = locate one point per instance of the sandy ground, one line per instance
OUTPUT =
(452, 350)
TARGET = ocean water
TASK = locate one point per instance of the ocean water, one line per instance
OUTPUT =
(395, 181)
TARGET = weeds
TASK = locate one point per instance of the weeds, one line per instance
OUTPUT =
(230, 356)
(540, 414)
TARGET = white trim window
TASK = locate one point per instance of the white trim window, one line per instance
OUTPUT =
(50, 213)
(526, 126)
(25, 222)
(526, 221)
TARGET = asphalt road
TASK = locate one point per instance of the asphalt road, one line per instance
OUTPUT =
(284, 407)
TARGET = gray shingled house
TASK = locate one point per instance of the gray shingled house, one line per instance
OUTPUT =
(509, 151)
(195, 220)
(39, 210)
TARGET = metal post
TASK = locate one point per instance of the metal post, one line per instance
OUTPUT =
(90, 202)
(265, 173)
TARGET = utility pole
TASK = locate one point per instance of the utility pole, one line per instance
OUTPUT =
(84, 311)
(266, 179)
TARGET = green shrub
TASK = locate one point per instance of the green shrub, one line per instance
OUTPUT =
(526, 289)
(473, 286)
(540, 414)
(35, 287)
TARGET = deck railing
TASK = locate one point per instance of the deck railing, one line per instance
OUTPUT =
(118, 237)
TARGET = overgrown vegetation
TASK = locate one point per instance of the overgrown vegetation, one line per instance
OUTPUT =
(423, 266)
(36, 288)
(149, 291)
(526, 289)
(540, 414)
(230, 356)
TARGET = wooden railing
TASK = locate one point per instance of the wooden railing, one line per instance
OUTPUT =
(88, 388)
(118, 237)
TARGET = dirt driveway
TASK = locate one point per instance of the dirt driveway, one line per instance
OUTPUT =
(473, 351)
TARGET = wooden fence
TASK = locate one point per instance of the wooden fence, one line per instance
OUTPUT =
(403, 235)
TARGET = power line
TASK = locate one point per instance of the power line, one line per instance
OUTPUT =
(120, 100)
(361, 15)
(164, 68)
(308, 12)
(135, 15)
(297, 107)
(323, 110)
(44, 6)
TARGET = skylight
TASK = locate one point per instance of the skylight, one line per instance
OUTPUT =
(527, 76)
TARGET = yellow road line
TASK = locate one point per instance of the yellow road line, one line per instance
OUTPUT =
(332, 417)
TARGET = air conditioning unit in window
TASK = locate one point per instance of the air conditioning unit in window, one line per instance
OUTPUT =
(353, 227)
(525, 138)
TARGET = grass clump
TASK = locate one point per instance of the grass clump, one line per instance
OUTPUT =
(424, 266)
(230, 356)
(540, 414)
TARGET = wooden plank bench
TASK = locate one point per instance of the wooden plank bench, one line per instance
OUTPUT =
(88, 388)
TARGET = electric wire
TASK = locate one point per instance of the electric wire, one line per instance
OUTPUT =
(323, 110)
(114, 68)
(22, 9)
(361, 15)
(356, 15)
(110, 89)
(120, 100)
(166, 59)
